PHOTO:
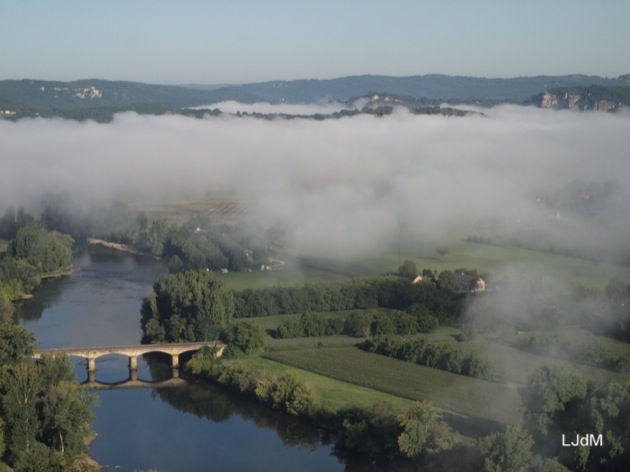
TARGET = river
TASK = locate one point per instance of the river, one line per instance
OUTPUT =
(191, 428)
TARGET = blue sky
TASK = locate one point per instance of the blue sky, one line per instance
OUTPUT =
(238, 41)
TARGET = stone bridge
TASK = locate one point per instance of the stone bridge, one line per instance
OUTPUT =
(91, 354)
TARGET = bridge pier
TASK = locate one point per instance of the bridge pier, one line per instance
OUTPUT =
(133, 368)
(91, 368)
(91, 354)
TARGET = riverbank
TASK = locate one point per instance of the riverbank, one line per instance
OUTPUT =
(55, 275)
(117, 246)
(360, 432)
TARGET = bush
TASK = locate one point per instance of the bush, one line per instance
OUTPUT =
(244, 337)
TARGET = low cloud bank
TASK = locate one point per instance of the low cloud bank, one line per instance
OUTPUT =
(278, 108)
(346, 183)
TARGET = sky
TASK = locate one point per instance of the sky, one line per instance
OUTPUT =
(241, 41)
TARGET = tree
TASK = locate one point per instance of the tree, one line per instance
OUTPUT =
(370, 431)
(422, 430)
(175, 264)
(507, 452)
(23, 219)
(553, 396)
(448, 281)
(6, 307)
(288, 393)
(47, 414)
(408, 267)
(47, 251)
(245, 337)
(441, 250)
(8, 225)
(358, 324)
(142, 221)
(16, 344)
(21, 387)
(66, 416)
(187, 306)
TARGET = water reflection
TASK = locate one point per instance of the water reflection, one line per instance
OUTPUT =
(176, 429)
(202, 428)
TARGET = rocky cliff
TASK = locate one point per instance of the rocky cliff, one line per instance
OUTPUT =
(595, 98)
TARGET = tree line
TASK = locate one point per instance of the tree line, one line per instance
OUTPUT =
(417, 437)
(350, 294)
(194, 244)
(376, 431)
(357, 324)
(197, 306)
(438, 355)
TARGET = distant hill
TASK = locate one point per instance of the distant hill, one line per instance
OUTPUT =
(433, 87)
(100, 99)
(103, 93)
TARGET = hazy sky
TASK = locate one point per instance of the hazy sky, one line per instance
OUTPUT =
(241, 41)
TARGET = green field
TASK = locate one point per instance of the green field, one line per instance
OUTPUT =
(518, 364)
(290, 274)
(388, 256)
(334, 393)
(342, 374)
(483, 257)
(453, 393)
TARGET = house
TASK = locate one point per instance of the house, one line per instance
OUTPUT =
(470, 281)
(413, 278)
(480, 285)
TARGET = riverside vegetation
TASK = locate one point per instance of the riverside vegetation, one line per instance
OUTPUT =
(437, 390)
(45, 414)
(526, 442)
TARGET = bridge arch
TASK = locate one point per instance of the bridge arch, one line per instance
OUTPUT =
(91, 354)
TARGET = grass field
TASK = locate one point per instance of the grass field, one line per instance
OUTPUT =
(483, 257)
(451, 392)
(387, 257)
(290, 274)
(518, 364)
(220, 209)
(334, 393)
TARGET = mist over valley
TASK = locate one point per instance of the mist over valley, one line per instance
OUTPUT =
(469, 262)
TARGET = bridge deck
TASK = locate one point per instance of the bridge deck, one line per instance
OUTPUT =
(150, 347)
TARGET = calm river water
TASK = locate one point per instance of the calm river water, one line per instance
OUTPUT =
(190, 428)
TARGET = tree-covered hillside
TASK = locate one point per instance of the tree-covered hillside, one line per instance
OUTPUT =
(101, 99)
(102, 93)
(432, 86)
